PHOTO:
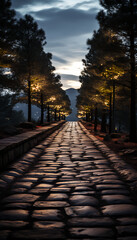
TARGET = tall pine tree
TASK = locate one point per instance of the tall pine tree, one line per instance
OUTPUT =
(29, 47)
(121, 17)
(7, 40)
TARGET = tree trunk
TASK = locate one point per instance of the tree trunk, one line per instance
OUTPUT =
(133, 77)
(86, 116)
(96, 120)
(110, 114)
(103, 122)
(91, 115)
(59, 115)
(42, 109)
(29, 99)
(113, 110)
(55, 114)
(48, 114)
(119, 129)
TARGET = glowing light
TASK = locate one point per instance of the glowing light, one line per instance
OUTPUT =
(36, 88)
(52, 99)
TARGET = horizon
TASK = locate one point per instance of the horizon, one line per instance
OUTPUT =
(71, 88)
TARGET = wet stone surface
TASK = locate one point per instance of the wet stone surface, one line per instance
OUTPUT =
(16, 214)
(20, 197)
(116, 199)
(82, 211)
(92, 232)
(120, 210)
(83, 200)
(48, 214)
(65, 188)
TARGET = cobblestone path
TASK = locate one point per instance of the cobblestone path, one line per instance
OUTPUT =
(65, 189)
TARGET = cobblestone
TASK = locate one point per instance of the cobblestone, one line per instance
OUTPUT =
(66, 188)
(20, 197)
(48, 214)
(92, 232)
(82, 211)
(14, 214)
(83, 200)
(120, 210)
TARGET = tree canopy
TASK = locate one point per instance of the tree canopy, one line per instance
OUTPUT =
(121, 18)
(109, 75)
(25, 67)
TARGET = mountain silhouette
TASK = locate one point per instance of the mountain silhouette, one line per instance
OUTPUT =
(72, 94)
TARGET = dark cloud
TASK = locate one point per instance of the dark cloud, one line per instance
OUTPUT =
(56, 44)
(61, 23)
(66, 30)
(66, 23)
(22, 3)
(84, 3)
(60, 60)
(69, 77)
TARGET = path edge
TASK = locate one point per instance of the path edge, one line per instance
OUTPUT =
(14, 147)
(124, 169)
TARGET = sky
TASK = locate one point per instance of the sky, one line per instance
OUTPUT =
(67, 25)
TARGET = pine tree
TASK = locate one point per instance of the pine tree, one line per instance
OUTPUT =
(103, 67)
(7, 41)
(7, 32)
(9, 116)
(121, 17)
(29, 47)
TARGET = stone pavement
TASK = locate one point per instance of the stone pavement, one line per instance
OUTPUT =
(65, 188)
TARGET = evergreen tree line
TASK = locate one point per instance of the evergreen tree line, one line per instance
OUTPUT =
(25, 68)
(108, 79)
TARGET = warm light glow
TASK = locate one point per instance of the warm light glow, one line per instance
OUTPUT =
(52, 99)
(106, 103)
(36, 88)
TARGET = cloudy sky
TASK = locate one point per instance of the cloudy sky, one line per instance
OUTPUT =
(67, 24)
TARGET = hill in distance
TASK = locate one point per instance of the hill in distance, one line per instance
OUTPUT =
(72, 94)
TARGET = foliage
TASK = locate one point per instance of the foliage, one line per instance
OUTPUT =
(7, 31)
(8, 116)
(121, 18)
(104, 68)
(30, 72)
